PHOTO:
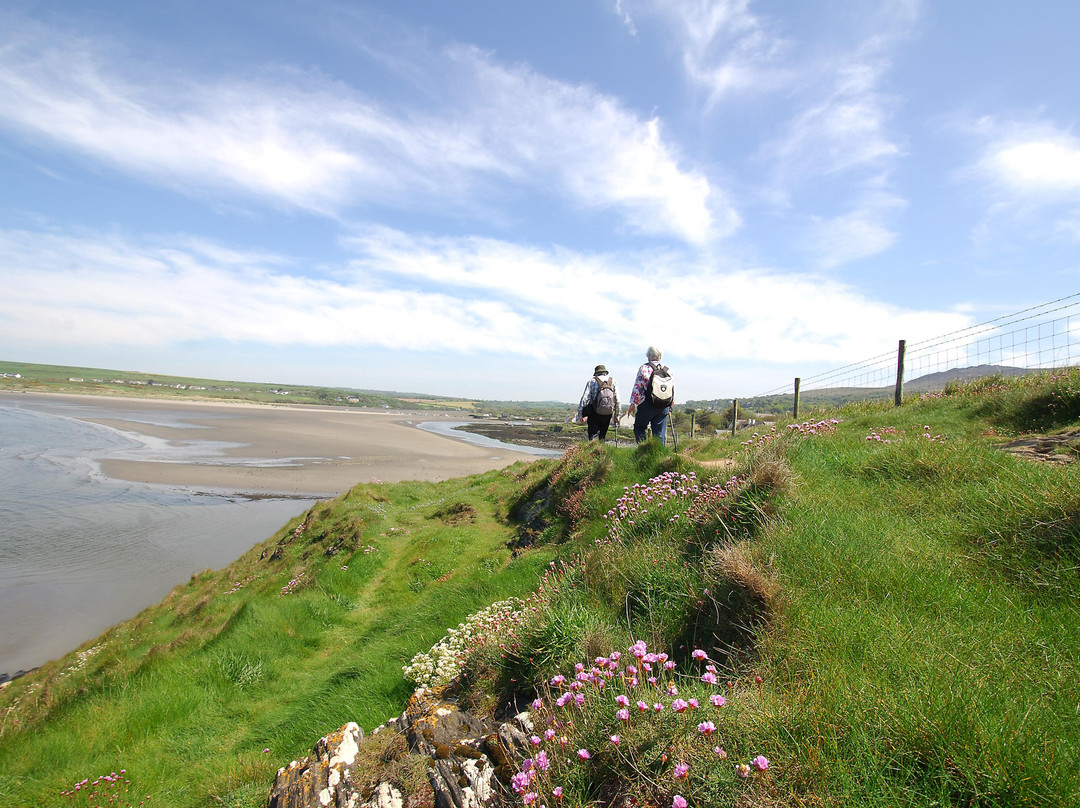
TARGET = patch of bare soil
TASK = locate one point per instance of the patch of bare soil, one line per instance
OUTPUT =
(1062, 448)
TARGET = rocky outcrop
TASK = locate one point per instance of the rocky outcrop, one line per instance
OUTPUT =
(468, 761)
(324, 779)
(1060, 449)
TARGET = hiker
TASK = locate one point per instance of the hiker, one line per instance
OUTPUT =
(652, 397)
(599, 404)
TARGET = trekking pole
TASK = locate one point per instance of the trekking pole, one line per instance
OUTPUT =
(674, 434)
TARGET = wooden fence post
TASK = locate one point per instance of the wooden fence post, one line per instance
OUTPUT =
(899, 398)
(734, 414)
(691, 426)
(795, 408)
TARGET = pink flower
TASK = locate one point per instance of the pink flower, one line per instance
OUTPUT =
(658, 707)
(542, 762)
(583, 754)
(761, 763)
(565, 697)
(699, 655)
(678, 801)
(693, 704)
(742, 770)
(519, 782)
(709, 678)
(720, 752)
(717, 700)
(549, 734)
(529, 798)
(681, 770)
(679, 706)
(623, 714)
(537, 704)
(615, 739)
(639, 649)
(622, 701)
(642, 706)
(706, 728)
(558, 680)
(557, 792)
(534, 740)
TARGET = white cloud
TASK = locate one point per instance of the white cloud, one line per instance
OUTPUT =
(1043, 165)
(459, 297)
(1027, 180)
(300, 140)
(860, 233)
(725, 48)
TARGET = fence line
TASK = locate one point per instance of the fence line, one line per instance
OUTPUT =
(1027, 340)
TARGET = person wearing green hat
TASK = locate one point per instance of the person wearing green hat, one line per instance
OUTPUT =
(599, 405)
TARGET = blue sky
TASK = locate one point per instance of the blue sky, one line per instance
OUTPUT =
(487, 199)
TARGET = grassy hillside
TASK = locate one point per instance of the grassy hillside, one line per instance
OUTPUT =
(888, 600)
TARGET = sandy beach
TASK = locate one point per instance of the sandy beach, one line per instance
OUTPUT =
(271, 449)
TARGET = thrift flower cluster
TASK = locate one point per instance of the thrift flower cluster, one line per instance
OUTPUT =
(879, 435)
(644, 505)
(238, 585)
(609, 715)
(807, 428)
(108, 789)
(292, 585)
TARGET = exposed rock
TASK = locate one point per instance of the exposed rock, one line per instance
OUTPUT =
(468, 761)
(322, 780)
(1062, 448)
(533, 517)
(461, 770)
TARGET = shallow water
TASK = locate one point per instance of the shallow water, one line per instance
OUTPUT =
(449, 429)
(80, 552)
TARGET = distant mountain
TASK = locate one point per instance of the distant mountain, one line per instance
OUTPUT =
(837, 396)
(932, 382)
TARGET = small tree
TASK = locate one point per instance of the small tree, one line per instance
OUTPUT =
(732, 412)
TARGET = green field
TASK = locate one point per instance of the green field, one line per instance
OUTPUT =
(890, 600)
(24, 376)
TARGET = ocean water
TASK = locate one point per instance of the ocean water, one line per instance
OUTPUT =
(80, 552)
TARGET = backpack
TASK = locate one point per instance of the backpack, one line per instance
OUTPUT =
(604, 403)
(660, 391)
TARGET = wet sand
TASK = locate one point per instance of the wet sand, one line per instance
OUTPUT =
(271, 449)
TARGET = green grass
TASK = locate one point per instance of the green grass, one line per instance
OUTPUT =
(894, 600)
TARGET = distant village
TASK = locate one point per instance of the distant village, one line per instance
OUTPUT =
(211, 388)
(149, 383)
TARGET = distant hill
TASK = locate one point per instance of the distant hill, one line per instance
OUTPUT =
(932, 382)
(838, 396)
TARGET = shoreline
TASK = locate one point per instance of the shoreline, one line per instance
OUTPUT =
(290, 450)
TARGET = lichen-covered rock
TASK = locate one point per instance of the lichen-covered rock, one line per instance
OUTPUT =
(468, 761)
(321, 780)
(460, 771)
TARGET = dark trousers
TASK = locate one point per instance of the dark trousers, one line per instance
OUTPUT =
(597, 425)
(649, 417)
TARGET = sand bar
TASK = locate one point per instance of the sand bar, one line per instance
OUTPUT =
(271, 449)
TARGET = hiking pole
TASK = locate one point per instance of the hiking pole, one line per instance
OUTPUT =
(674, 434)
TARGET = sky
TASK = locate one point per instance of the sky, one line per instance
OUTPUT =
(486, 199)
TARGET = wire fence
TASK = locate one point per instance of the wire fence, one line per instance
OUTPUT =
(1036, 338)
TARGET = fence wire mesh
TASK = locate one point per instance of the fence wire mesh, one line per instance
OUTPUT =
(1036, 338)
